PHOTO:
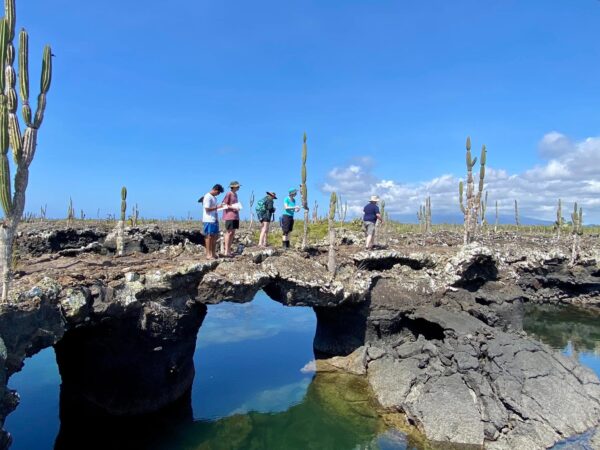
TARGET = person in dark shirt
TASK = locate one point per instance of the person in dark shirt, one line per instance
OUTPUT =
(372, 215)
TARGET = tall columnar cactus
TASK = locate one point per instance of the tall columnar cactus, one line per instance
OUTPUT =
(470, 207)
(315, 217)
(123, 203)
(484, 209)
(577, 231)
(70, 212)
(12, 197)
(421, 217)
(559, 219)
(304, 192)
(427, 212)
(135, 215)
(331, 261)
(121, 224)
(496, 224)
(342, 210)
(517, 221)
(251, 203)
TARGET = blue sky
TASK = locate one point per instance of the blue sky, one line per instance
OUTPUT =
(168, 98)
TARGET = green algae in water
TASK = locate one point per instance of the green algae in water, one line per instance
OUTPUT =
(338, 412)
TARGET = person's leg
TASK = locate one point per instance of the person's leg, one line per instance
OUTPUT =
(231, 239)
(215, 238)
(208, 246)
(228, 240)
(263, 231)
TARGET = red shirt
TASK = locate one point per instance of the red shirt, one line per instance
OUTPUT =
(231, 214)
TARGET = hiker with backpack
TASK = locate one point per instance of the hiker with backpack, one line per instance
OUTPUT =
(231, 215)
(287, 219)
(210, 219)
(264, 212)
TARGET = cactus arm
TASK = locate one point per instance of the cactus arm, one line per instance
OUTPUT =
(460, 197)
(24, 76)
(5, 181)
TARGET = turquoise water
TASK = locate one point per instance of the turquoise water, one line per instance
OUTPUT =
(255, 387)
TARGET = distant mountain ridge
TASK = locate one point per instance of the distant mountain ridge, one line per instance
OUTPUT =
(457, 219)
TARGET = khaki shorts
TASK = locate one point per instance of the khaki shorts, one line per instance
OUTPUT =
(369, 228)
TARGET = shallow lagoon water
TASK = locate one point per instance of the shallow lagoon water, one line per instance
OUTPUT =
(255, 388)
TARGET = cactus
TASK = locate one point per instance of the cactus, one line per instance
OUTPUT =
(420, 217)
(559, 219)
(331, 260)
(304, 192)
(342, 210)
(517, 214)
(12, 197)
(484, 209)
(81, 215)
(251, 203)
(121, 223)
(43, 210)
(315, 215)
(471, 204)
(428, 215)
(496, 224)
(70, 212)
(123, 203)
(135, 215)
(577, 231)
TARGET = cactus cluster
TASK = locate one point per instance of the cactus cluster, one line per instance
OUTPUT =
(471, 203)
(424, 216)
(517, 221)
(135, 215)
(577, 231)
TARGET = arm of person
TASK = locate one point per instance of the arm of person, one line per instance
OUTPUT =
(379, 217)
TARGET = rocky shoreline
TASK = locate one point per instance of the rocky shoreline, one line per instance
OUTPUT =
(434, 326)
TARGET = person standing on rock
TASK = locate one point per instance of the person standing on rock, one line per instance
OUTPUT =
(287, 219)
(264, 212)
(370, 218)
(210, 219)
(231, 215)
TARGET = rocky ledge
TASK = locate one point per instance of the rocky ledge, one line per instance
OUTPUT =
(436, 330)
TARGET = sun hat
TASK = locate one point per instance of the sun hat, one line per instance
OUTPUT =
(272, 194)
(234, 184)
(374, 198)
(292, 191)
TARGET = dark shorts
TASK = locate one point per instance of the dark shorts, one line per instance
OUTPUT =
(287, 224)
(211, 229)
(232, 224)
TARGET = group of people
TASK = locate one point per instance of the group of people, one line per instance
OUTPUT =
(265, 212)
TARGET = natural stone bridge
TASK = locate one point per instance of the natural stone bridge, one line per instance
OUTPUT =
(436, 333)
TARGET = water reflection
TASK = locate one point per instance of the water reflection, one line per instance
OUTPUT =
(564, 327)
(338, 412)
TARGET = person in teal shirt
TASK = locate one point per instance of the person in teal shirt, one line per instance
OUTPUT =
(287, 219)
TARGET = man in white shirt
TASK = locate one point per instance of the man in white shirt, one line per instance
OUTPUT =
(210, 219)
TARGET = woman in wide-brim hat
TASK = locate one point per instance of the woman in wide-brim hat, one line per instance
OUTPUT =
(265, 213)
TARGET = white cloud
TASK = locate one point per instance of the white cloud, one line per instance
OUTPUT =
(555, 144)
(571, 172)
